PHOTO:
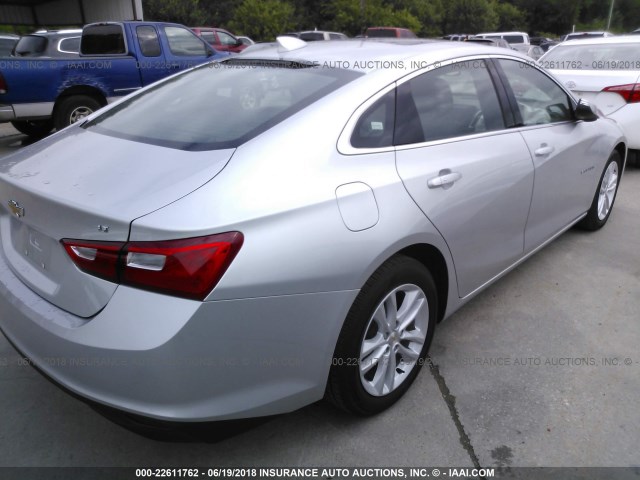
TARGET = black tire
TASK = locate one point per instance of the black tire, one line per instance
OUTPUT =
(70, 109)
(593, 220)
(34, 128)
(347, 388)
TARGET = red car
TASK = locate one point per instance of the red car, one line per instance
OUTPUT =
(220, 39)
(389, 32)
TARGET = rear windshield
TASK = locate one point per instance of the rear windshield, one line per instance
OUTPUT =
(107, 39)
(30, 46)
(593, 57)
(219, 105)
(381, 33)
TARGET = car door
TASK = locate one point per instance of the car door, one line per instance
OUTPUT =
(470, 175)
(561, 148)
(150, 60)
(184, 48)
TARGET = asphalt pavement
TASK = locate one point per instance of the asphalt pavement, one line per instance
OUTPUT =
(540, 369)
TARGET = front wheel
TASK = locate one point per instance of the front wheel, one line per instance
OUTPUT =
(72, 109)
(385, 338)
(605, 195)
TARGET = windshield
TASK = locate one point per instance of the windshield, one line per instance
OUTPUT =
(219, 105)
(611, 56)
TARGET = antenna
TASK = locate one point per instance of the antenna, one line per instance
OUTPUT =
(290, 43)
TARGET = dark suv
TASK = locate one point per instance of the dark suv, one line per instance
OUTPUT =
(53, 43)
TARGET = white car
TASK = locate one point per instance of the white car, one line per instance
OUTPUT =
(513, 38)
(605, 72)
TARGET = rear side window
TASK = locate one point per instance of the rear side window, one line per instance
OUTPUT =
(30, 45)
(514, 38)
(451, 101)
(149, 41)
(539, 99)
(611, 56)
(208, 37)
(69, 45)
(183, 42)
(217, 108)
(375, 127)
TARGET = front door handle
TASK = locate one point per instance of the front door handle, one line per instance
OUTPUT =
(544, 150)
(445, 179)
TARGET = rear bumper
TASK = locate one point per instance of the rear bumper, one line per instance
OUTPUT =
(6, 113)
(179, 360)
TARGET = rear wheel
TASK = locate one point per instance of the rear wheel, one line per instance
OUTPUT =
(72, 109)
(605, 195)
(34, 128)
(385, 338)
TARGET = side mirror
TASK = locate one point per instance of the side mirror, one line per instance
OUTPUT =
(584, 112)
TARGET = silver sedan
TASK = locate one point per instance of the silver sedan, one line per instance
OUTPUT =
(251, 236)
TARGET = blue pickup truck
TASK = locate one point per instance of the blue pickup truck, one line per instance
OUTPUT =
(40, 94)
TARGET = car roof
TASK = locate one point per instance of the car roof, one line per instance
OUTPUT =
(503, 33)
(603, 40)
(372, 50)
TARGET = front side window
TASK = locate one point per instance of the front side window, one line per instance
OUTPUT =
(183, 42)
(451, 101)
(539, 99)
(217, 108)
(226, 39)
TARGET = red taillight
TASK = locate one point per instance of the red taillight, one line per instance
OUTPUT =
(3, 85)
(630, 92)
(97, 258)
(187, 268)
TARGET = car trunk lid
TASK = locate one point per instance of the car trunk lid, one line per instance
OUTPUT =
(84, 185)
(584, 84)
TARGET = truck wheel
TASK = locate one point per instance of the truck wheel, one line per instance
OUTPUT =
(72, 109)
(33, 128)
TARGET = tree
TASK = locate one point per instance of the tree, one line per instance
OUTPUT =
(187, 12)
(510, 17)
(470, 16)
(349, 17)
(263, 19)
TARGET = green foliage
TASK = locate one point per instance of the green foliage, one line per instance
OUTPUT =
(470, 16)
(263, 20)
(510, 17)
(427, 18)
(350, 17)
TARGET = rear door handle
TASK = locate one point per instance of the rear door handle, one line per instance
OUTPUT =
(544, 150)
(445, 179)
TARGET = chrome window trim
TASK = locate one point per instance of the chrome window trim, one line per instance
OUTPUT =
(67, 51)
(344, 141)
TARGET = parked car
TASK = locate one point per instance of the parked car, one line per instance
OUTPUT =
(246, 40)
(220, 39)
(458, 37)
(389, 32)
(532, 51)
(7, 42)
(606, 72)
(636, 32)
(496, 42)
(50, 44)
(513, 38)
(172, 256)
(116, 59)
(315, 35)
(585, 35)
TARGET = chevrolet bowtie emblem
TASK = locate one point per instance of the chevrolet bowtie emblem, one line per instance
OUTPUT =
(15, 208)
